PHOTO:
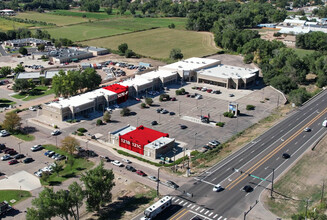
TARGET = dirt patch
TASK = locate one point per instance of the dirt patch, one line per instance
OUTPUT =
(304, 180)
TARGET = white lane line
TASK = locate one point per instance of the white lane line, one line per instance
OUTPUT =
(272, 137)
(202, 210)
(206, 212)
(181, 202)
(277, 158)
(215, 216)
(225, 218)
(262, 144)
(252, 151)
(185, 203)
(214, 179)
(177, 200)
(193, 206)
(197, 209)
(295, 143)
(304, 136)
(219, 217)
(210, 214)
(189, 205)
(241, 159)
(174, 198)
(281, 131)
(287, 150)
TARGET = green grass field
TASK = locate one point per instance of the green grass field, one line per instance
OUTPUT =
(302, 52)
(51, 18)
(41, 91)
(90, 15)
(18, 195)
(159, 42)
(112, 27)
(6, 25)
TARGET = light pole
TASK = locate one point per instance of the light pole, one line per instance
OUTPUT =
(56, 141)
(158, 182)
(195, 139)
(272, 182)
(175, 151)
(179, 108)
(19, 147)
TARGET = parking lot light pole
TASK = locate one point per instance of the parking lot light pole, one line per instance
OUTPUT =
(56, 141)
(158, 182)
(179, 108)
(19, 147)
(195, 139)
(175, 151)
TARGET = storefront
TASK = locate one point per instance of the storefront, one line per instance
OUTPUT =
(121, 91)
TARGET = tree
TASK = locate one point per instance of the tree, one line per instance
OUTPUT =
(106, 116)
(69, 144)
(19, 68)
(41, 47)
(22, 50)
(129, 53)
(98, 185)
(57, 168)
(122, 48)
(58, 44)
(176, 54)
(90, 79)
(299, 96)
(12, 121)
(23, 85)
(5, 71)
(125, 111)
(108, 10)
(171, 26)
(76, 196)
(148, 101)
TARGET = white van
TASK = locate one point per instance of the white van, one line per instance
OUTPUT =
(324, 123)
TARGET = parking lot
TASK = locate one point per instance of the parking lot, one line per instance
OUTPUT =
(187, 112)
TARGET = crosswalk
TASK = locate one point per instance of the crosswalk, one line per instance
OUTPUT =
(197, 209)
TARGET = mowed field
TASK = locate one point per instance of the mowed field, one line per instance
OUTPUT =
(114, 26)
(158, 43)
(51, 18)
(303, 181)
(6, 25)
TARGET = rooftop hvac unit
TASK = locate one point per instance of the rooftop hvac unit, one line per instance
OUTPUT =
(197, 62)
(203, 62)
(180, 67)
(191, 61)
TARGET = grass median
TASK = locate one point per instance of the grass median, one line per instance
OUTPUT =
(72, 167)
(17, 195)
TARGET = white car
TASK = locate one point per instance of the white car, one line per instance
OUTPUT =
(198, 97)
(38, 173)
(109, 110)
(126, 160)
(214, 143)
(117, 163)
(217, 188)
(55, 132)
(4, 133)
(6, 157)
(36, 147)
(32, 108)
(153, 178)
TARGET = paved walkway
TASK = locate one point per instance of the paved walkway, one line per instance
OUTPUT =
(21, 180)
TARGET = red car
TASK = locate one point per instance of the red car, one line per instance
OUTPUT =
(12, 162)
(140, 172)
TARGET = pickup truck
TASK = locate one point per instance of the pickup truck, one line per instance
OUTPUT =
(4, 207)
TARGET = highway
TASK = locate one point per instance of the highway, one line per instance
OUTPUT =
(259, 158)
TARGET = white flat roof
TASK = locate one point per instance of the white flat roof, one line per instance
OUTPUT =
(225, 71)
(157, 73)
(193, 63)
(123, 130)
(295, 30)
(160, 142)
(29, 75)
(294, 21)
(136, 82)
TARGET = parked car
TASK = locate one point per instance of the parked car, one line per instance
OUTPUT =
(130, 168)
(6, 157)
(12, 162)
(55, 156)
(183, 126)
(140, 172)
(19, 156)
(159, 110)
(164, 111)
(38, 173)
(154, 123)
(126, 160)
(207, 147)
(117, 163)
(12, 152)
(4, 133)
(28, 160)
(55, 132)
(231, 95)
(214, 143)
(173, 99)
(61, 157)
(153, 178)
(2, 146)
(105, 158)
(36, 148)
(7, 150)
(32, 108)
(171, 113)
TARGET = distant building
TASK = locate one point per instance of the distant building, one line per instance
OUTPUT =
(26, 42)
(267, 25)
(96, 51)
(68, 55)
(7, 12)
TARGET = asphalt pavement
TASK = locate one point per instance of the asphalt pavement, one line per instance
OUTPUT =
(253, 165)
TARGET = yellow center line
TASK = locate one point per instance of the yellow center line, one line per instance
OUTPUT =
(272, 153)
(178, 214)
(182, 215)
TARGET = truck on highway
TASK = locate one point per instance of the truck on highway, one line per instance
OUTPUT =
(4, 207)
(152, 211)
(324, 123)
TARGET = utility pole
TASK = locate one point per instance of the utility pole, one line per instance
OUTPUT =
(272, 182)
(158, 182)
(251, 207)
(19, 147)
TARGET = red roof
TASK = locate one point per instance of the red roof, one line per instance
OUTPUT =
(142, 135)
(117, 88)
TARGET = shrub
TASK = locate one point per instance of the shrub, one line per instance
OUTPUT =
(178, 92)
(99, 122)
(82, 130)
(228, 114)
(194, 87)
(220, 124)
(148, 101)
(106, 116)
(250, 107)
(125, 112)
(182, 90)
(69, 121)
(55, 126)
(143, 105)
(80, 134)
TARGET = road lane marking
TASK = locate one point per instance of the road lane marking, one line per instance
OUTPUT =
(193, 206)
(174, 198)
(295, 143)
(304, 136)
(215, 216)
(210, 214)
(273, 152)
(241, 159)
(219, 217)
(206, 212)
(185, 203)
(182, 215)
(214, 179)
(177, 214)
(177, 200)
(197, 209)
(181, 202)
(277, 158)
(189, 205)
(201, 210)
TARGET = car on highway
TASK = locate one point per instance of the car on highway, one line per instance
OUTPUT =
(6, 157)
(12, 162)
(36, 148)
(307, 129)
(28, 160)
(247, 188)
(55, 132)
(217, 188)
(171, 184)
(117, 163)
(19, 156)
(140, 172)
(130, 168)
(286, 155)
(4, 133)
(153, 178)
(126, 160)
